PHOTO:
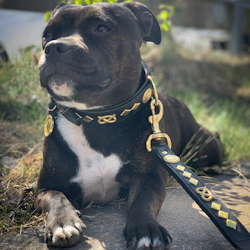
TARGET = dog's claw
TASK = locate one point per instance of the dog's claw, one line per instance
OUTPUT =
(132, 244)
(80, 226)
(79, 213)
(169, 240)
(48, 236)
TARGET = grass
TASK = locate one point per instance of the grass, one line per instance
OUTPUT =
(228, 118)
(213, 86)
(21, 96)
(22, 113)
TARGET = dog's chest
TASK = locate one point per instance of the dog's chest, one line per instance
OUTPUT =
(96, 173)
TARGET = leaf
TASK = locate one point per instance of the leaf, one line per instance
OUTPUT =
(47, 15)
(164, 14)
(162, 6)
(164, 27)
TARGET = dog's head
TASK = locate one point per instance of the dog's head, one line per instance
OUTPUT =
(91, 54)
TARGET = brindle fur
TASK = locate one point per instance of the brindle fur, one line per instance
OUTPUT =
(73, 51)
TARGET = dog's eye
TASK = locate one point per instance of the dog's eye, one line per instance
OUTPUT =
(46, 38)
(47, 35)
(103, 29)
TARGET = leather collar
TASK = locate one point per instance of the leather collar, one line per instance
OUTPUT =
(110, 114)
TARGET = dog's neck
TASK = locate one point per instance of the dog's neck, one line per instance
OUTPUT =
(111, 114)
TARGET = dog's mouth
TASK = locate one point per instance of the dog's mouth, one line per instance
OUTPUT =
(62, 85)
(105, 83)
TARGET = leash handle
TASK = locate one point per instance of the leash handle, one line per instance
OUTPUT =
(221, 216)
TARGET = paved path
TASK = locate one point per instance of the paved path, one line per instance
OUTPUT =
(188, 225)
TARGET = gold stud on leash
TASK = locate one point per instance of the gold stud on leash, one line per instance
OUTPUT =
(205, 193)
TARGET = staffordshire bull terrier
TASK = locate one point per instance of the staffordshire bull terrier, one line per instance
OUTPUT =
(94, 149)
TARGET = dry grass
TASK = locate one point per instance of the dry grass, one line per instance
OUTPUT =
(18, 194)
(26, 172)
(17, 185)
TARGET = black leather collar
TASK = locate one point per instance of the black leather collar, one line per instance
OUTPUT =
(110, 114)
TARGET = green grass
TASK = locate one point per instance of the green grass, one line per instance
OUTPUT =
(21, 97)
(228, 118)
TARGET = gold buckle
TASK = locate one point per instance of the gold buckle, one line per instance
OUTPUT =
(157, 136)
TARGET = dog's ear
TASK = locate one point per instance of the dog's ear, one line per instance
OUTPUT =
(59, 6)
(149, 26)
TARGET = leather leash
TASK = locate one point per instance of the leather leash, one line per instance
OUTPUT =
(221, 216)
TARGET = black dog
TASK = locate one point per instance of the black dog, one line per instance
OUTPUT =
(91, 67)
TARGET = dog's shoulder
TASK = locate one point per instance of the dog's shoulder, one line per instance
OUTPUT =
(172, 102)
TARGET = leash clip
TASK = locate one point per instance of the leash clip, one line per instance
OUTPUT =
(154, 90)
(154, 119)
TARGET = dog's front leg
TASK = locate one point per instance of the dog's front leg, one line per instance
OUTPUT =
(63, 225)
(145, 199)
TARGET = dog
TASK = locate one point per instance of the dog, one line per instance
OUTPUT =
(95, 148)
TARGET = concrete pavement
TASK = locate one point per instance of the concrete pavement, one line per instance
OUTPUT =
(190, 228)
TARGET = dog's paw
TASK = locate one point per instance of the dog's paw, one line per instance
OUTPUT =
(63, 229)
(150, 235)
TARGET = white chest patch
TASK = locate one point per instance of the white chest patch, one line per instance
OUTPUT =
(96, 173)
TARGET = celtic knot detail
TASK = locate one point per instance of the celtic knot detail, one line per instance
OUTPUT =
(107, 119)
(205, 193)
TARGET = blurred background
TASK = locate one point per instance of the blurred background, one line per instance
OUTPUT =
(217, 24)
(203, 60)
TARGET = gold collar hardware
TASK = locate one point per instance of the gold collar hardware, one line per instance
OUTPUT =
(48, 126)
(154, 119)
(107, 119)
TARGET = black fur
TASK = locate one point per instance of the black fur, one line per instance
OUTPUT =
(95, 50)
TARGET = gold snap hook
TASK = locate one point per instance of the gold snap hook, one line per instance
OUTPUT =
(154, 119)
(154, 90)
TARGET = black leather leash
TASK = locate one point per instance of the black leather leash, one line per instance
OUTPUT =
(221, 216)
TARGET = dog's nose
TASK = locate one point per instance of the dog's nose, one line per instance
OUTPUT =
(56, 48)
